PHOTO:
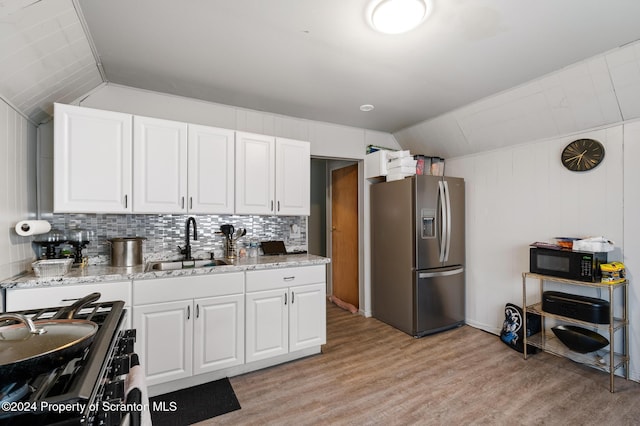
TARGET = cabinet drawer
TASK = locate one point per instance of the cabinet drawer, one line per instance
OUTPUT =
(41, 297)
(285, 277)
(160, 290)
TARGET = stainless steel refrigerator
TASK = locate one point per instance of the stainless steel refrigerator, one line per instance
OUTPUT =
(418, 253)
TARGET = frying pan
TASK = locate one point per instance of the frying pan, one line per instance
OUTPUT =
(33, 347)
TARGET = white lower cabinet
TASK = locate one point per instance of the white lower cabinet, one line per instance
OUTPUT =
(223, 322)
(267, 324)
(285, 311)
(218, 333)
(201, 333)
(164, 340)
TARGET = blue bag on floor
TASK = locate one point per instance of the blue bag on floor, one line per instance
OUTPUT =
(512, 333)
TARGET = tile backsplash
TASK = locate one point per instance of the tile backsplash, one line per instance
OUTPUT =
(165, 233)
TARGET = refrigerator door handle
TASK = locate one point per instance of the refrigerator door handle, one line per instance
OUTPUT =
(441, 273)
(443, 220)
(448, 199)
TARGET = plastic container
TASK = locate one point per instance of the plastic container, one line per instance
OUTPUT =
(51, 267)
(253, 248)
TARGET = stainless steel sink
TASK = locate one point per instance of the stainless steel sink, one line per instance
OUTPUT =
(184, 264)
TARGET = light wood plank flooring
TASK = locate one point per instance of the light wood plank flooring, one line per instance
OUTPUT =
(372, 374)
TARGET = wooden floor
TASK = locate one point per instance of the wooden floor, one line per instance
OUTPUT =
(372, 374)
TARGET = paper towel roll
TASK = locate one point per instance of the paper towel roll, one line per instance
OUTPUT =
(27, 228)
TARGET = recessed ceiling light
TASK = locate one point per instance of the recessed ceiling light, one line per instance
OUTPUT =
(366, 107)
(397, 16)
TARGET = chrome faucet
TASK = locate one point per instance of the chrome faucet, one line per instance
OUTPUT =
(187, 248)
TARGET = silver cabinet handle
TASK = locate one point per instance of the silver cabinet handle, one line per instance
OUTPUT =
(189, 312)
(291, 278)
(126, 201)
(182, 203)
(190, 202)
(278, 205)
(293, 295)
(285, 298)
(271, 209)
(197, 311)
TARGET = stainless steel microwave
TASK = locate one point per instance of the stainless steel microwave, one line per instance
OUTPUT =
(569, 264)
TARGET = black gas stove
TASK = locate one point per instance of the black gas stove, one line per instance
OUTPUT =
(88, 389)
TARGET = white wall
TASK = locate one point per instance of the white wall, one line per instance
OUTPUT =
(602, 90)
(327, 140)
(631, 242)
(522, 194)
(17, 190)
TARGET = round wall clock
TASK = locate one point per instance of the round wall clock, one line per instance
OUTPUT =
(582, 155)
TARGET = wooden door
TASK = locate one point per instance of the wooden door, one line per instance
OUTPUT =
(344, 234)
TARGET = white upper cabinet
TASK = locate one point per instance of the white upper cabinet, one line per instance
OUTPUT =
(293, 177)
(110, 162)
(272, 175)
(255, 176)
(160, 166)
(92, 160)
(182, 168)
(211, 170)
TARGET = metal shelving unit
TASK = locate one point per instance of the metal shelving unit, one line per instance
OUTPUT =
(605, 360)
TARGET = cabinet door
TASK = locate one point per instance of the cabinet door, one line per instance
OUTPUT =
(164, 340)
(211, 170)
(92, 161)
(160, 166)
(293, 177)
(267, 324)
(218, 333)
(307, 316)
(255, 177)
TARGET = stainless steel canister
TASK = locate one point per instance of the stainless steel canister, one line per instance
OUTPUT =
(126, 251)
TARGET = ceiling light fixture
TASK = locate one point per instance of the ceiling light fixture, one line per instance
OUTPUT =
(366, 107)
(397, 16)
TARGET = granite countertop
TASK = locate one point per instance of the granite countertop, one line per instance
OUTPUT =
(105, 273)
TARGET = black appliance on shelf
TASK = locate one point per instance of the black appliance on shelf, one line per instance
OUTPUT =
(568, 264)
(87, 389)
(575, 306)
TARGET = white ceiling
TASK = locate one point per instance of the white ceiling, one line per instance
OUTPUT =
(314, 59)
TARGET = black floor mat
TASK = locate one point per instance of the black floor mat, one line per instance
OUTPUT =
(194, 404)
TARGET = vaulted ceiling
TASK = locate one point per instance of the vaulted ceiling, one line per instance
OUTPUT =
(311, 59)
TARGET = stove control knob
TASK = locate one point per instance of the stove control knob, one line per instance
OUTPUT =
(114, 390)
(125, 345)
(109, 415)
(119, 366)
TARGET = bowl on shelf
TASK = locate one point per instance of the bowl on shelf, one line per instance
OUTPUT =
(579, 339)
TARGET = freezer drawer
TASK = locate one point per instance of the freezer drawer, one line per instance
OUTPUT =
(440, 300)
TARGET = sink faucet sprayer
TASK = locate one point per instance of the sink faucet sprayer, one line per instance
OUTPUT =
(187, 248)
